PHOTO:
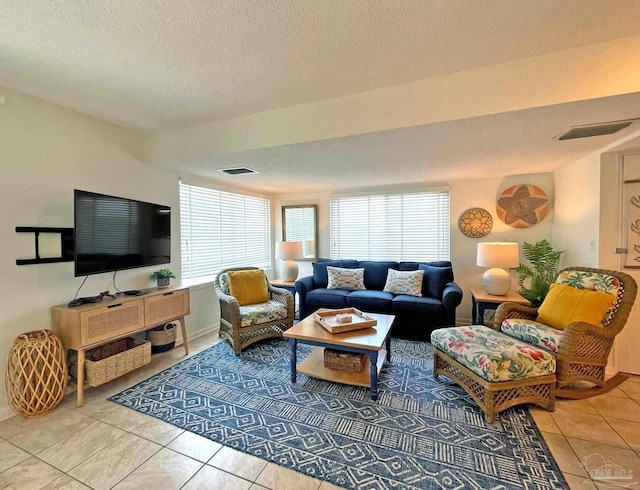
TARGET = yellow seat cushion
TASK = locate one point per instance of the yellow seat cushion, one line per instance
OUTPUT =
(248, 287)
(565, 304)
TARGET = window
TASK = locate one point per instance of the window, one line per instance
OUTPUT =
(222, 229)
(394, 226)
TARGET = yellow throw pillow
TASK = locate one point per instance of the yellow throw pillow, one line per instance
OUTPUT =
(248, 287)
(565, 304)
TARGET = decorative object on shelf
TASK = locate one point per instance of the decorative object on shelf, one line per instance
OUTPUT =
(330, 320)
(344, 361)
(288, 252)
(163, 277)
(162, 338)
(36, 376)
(534, 280)
(497, 256)
(89, 299)
(475, 223)
(110, 361)
(522, 206)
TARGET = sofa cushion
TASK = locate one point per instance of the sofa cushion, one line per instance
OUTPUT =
(375, 273)
(533, 332)
(320, 277)
(328, 298)
(341, 278)
(435, 280)
(256, 314)
(404, 282)
(371, 301)
(411, 266)
(404, 304)
(492, 355)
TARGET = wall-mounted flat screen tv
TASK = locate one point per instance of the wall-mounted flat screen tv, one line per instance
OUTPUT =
(114, 233)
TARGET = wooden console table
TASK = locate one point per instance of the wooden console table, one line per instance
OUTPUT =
(91, 325)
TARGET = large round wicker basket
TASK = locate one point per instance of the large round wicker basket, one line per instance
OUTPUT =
(36, 375)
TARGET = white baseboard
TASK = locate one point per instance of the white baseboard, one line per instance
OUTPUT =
(215, 328)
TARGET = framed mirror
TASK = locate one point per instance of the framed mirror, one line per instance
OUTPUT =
(300, 224)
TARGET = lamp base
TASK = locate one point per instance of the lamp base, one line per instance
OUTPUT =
(496, 281)
(288, 270)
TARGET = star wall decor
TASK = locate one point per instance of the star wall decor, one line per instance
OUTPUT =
(522, 206)
(475, 223)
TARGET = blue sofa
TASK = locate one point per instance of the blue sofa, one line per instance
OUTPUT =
(416, 316)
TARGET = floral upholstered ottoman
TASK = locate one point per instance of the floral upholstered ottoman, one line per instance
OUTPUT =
(497, 371)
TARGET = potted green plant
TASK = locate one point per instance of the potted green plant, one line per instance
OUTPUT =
(534, 279)
(163, 277)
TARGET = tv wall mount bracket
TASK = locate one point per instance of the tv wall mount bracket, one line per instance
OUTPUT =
(67, 244)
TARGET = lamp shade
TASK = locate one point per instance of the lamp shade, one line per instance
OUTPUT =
(288, 250)
(498, 254)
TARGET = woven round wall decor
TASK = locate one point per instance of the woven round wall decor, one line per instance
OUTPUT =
(475, 223)
(522, 206)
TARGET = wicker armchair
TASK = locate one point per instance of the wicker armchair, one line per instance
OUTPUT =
(581, 349)
(239, 326)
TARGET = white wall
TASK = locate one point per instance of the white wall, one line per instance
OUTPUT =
(484, 193)
(46, 151)
(576, 226)
(464, 194)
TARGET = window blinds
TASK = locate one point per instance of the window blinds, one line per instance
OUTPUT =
(221, 229)
(404, 226)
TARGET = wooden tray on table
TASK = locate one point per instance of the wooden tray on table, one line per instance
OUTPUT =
(359, 320)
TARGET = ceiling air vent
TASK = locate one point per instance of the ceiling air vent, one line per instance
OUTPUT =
(595, 129)
(238, 170)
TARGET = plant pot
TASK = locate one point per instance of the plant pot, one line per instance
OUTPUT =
(163, 282)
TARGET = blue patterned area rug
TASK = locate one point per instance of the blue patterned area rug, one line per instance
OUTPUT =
(420, 433)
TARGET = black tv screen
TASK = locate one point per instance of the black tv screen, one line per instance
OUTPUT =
(114, 233)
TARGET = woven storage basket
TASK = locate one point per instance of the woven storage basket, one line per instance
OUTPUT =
(36, 375)
(162, 338)
(344, 361)
(109, 361)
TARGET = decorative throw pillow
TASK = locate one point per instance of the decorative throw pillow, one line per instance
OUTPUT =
(340, 278)
(248, 287)
(565, 304)
(435, 279)
(320, 276)
(404, 282)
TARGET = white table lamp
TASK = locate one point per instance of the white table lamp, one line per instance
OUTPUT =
(497, 256)
(288, 252)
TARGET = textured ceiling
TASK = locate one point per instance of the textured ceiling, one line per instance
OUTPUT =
(510, 143)
(169, 64)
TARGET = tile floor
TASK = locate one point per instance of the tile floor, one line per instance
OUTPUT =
(103, 445)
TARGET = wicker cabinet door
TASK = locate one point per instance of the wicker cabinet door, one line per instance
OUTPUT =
(111, 321)
(165, 307)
